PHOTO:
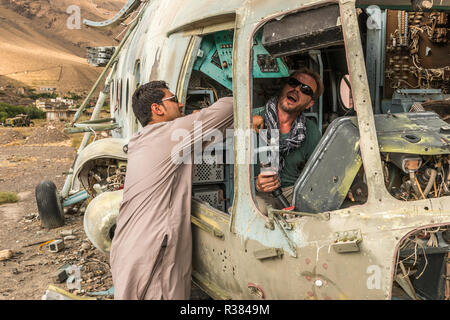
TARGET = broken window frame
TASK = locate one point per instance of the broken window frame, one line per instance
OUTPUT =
(370, 151)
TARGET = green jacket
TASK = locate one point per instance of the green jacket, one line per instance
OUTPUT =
(296, 159)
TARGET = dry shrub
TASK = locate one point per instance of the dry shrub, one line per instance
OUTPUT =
(8, 197)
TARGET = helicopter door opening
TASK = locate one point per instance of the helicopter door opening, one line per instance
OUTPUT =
(209, 79)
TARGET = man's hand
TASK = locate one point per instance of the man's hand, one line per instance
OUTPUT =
(267, 183)
(257, 123)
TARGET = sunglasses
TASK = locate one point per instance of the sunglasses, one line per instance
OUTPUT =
(294, 83)
(173, 98)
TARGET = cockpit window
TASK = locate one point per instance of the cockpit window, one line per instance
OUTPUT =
(307, 148)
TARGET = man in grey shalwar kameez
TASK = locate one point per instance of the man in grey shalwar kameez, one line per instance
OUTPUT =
(151, 251)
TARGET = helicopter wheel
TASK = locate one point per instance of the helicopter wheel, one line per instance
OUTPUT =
(49, 205)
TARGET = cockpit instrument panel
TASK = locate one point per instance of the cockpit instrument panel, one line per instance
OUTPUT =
(215, 59)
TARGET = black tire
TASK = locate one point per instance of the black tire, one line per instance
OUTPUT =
(49, 205)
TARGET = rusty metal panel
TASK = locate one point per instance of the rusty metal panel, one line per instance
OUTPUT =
(319, 190)
(308, 30)
(415, 133)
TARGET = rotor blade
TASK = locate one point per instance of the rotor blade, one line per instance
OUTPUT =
(118, 18)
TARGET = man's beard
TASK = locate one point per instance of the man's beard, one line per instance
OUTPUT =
(297, 110)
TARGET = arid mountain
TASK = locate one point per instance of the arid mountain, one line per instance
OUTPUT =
(38, 49)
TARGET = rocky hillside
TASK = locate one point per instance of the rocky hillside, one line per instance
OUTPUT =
(37, 48)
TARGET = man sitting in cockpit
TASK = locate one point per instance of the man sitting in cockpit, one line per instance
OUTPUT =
(298, 135)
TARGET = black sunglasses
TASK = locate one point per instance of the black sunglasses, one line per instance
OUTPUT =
(294, 83)
(173, 98)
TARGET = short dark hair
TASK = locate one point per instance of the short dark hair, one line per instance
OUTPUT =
(144, 97)
(315, 76)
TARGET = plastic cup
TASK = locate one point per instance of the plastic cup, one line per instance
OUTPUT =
(268, 171)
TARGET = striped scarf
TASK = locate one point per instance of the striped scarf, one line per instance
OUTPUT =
(296, 134)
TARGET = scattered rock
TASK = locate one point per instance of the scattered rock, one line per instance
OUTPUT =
(85, 246)
(61, 275)
(66, 232)
(70, 210)
(6, 254)
(70, 237)
(31, 216)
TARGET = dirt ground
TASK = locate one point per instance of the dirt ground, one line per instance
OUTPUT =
(28, 156)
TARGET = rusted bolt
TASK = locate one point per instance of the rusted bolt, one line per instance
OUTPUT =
(269, 225)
